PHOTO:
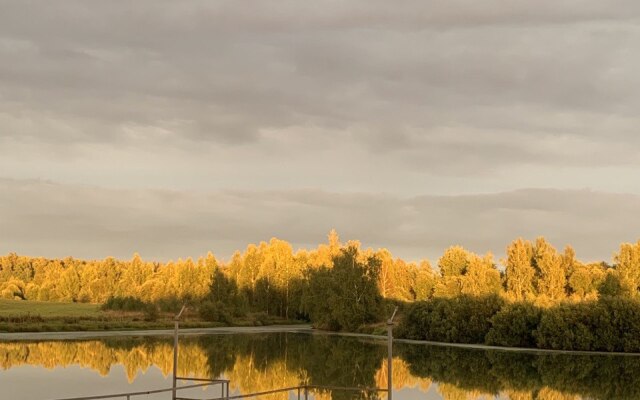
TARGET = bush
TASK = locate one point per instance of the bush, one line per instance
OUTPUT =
(566, 327)
(515, 326)
(171, 305)
(463, 319)
(609, 324)
(151, 312)
(215, 312)
(261, 319)
(127, 303)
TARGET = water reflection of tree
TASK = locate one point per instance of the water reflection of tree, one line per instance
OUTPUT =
(256, 363)
(284, 359)
(542, 375)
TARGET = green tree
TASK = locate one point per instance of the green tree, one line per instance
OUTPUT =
(346, 296)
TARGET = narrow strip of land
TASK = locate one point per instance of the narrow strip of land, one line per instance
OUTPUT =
(18, 336)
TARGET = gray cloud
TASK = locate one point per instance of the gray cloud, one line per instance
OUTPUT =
(172, 128)
(41, 218)
(457, 88)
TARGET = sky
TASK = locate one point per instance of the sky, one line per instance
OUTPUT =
(175, 128)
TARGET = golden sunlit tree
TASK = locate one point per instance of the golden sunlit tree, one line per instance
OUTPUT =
(519, 273)
(550, 279)
(453, 264)
(628, 268)
(425, 281)
(481, 276)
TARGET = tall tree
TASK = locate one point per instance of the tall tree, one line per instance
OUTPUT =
(628, 268)
(345, 296)
(454, 261)
(481, 276)
(453, 265)
(425, 281)
(550, 277)
(519, 272)
(585, 280)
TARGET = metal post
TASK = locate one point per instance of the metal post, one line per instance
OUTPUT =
(176, 328)
(390, 355)
(306, 393)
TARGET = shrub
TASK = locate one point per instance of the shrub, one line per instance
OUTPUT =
(463, 319)
(609, 324)
(127, 303)
(151, 312)
(515, 326)
(171, 305)
(215, 312)
(260, 319)
(566, 327)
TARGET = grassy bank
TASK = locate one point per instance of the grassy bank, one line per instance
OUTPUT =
(32, 316)
(10, 308)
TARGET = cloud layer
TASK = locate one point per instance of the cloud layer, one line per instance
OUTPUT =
(178, 127)
(455, 89)
(41, 218)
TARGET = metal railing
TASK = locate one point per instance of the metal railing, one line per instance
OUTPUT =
(129, 395)
(224, 389)
(302, 390)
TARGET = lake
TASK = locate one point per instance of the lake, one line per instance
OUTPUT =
(258, 362)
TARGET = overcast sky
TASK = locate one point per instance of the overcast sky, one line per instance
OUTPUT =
(176, 127)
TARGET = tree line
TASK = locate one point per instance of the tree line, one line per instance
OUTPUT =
(608, 324)
(533, 271)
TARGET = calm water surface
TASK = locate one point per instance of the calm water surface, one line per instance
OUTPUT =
(257, 362)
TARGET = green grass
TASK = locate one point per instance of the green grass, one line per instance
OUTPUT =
(9, 308)
(36, 316)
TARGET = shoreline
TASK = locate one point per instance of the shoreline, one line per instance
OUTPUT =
(29, 336)
(306, 329)
(479, 346)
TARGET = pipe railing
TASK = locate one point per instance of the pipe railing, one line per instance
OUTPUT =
(390, 354)
(225, 383)
(176, 328)
(129, 395)
(306, 389)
